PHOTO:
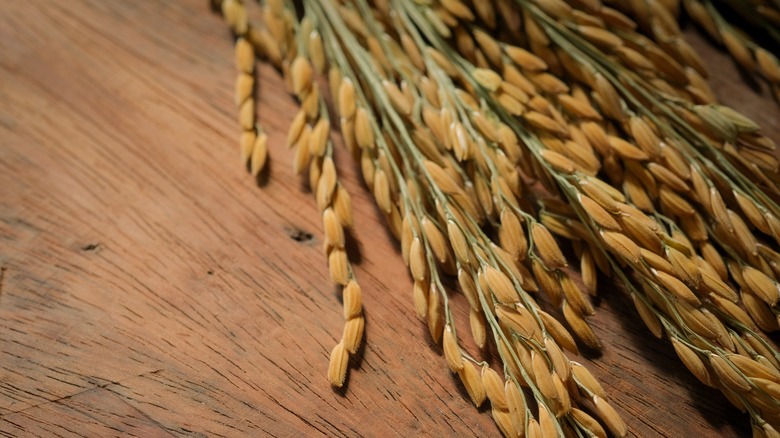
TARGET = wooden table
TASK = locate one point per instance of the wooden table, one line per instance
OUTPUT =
(149, 287)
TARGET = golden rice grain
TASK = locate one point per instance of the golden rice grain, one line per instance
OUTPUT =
(245, 86)
(575, 297)
(753, 369)
(302, 155)
(327, 184)
(436, 240)
(472, 381)
(546, 247)
(626, 149)
(458, 241)
(547, 423)
(342, 205)
(510, 104)
(382, 191)
(558, 332)
(487, 78)
(339, 266)
(346, 99)
(317, 52)
(435, 315)
(733, 311)
(412, 51)
(417, 261)
(598, 214)
(752, 212)
(511, 234)
(485, 126)
(586, 381)
(742, 234)
(245, 56)
(504, 421)
(684, 267)
(738, 49)
(770, 388)
(337, 369)
(318, 140)
(364, 131)
(697, 320)
(638, 230)
(247, 145)
(533, 430)
(485, 196)
(580, 327)
(451, 350)
(637, 193)
(548, 83)
(489, 46)
(563, 405)
(478, 327)
(519, 321)
(500, 285)
(558, 162)
(397, 98)
(728, 375)
(578, 108)
(548, 280)
(589, 273)
(714, 284)
(674, 202)
(634, 59)
(761, 285)
(666, 176)
(677, 288)
(558, 359)
(353, 333)
(621, 245)
(542, 376)
(525, 59)
(692, 361)
(589, 423)
(648, 316)
(441, 178)
(610, 417)
(768, 64)
(468, 287)
(239, 21)
(352, 297)
(610, 100)
(670, 70)
(295, 130)
(302, 75)
(420, 296)
(600, 37)
(459, 9)
(246, 114)
(516, 405)
(513, 76)
(334, 233)
(494, 388)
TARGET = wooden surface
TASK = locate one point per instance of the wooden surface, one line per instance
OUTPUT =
(149, 287)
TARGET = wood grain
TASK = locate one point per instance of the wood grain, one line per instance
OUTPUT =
(148, 287)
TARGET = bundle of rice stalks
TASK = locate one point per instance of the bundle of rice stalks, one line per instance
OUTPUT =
(499, 136)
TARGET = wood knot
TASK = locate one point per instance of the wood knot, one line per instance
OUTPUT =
(90, 247)
(298, 234)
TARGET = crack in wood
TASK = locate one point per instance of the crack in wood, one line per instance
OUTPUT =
(2, 278)
(84, 390)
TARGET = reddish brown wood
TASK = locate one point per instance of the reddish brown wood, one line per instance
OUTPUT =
(149, 287)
